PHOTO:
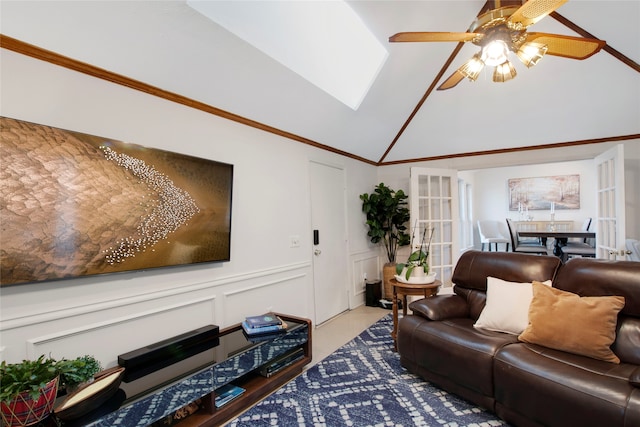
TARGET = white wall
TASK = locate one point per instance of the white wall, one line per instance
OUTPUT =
(632, 189)
(491, 195)
(490, 190)
(111, 314)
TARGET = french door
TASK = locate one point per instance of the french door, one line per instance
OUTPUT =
(434, 206)
(610, 232)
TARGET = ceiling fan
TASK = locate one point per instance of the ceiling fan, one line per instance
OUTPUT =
(502, 30)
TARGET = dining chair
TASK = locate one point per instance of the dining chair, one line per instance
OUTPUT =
(581, 247)
(529, 248)
(490, 233)
(585, 227)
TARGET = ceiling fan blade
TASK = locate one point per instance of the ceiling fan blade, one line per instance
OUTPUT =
(534, 10)
(567, 46)
(434, 37)
(452, 81)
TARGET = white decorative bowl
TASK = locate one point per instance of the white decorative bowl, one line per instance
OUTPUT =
(417, 280)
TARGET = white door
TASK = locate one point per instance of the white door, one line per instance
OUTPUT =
(330, 281)
(434, 205)
(610, 221)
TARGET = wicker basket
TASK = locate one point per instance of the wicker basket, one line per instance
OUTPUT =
(388, 273)
(25, 411)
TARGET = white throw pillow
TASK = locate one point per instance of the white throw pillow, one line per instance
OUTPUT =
(507, 307)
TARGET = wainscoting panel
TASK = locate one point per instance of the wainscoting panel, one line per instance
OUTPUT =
(119, 335)
(363, 264)
(285, 293)
(104, 328)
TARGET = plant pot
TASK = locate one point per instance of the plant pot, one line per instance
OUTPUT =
(25, 411)
(388, 273)
(418, 276)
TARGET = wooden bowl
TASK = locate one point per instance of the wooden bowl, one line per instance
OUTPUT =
(90, 396)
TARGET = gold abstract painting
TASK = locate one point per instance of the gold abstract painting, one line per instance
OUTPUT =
(74, 204)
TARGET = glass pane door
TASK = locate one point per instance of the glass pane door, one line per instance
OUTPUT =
(434, 214)
(610, 231)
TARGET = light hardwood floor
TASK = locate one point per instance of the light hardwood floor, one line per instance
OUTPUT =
(334, 333)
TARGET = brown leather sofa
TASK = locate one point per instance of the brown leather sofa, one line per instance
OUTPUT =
(528, 384)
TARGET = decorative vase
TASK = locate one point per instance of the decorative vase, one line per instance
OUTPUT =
(25, 411)
(388, 273)
(417, 273)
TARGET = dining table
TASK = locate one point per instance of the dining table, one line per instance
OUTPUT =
(560, 237)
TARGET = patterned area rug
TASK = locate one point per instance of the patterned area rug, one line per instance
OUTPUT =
(363, 384)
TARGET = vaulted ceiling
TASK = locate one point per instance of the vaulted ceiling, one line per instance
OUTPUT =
(168, 46)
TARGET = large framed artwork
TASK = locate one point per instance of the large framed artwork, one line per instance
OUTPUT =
(73, 204)
(544, 193)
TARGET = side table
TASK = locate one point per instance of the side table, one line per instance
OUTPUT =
(403, 290)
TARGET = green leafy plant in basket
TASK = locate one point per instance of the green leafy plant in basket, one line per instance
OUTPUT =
(417, 259)
(28, 375)
(27, 390)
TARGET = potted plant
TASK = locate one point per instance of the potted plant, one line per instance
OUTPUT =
(417, 265)
(77, 371)
(27, 390)
(387, 215)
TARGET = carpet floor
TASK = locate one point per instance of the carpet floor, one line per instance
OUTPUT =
(363, 384)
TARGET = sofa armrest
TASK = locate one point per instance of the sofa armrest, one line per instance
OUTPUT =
(634, 379)
(440, 307)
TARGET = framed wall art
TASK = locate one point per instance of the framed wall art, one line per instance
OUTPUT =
(74, 204)
(544, 193)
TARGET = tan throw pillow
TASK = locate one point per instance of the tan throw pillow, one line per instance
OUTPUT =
(580, 325)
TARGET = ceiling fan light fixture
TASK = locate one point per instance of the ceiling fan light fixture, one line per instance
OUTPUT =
(471, 69)
(495, 52)
(504, 72)
(531, 53)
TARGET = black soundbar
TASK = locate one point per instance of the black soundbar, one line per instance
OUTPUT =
(144, 360)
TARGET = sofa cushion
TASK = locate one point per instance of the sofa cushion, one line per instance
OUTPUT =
(507, 306)
(452, 349)
(549, 387)
(635, 377)
(473, 268)
(440, 307)
(580, 325)
(590, 277)
(627, 344)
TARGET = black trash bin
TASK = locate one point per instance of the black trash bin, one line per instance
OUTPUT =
(373, 292)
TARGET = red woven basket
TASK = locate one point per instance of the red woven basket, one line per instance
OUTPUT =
(25, 411)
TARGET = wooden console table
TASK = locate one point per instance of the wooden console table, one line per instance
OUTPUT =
(231, 358)
(403, 290)
(257, 387)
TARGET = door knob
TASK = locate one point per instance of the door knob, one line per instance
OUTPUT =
(317, 252)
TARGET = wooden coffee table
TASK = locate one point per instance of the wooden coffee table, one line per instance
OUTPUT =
(403, 290)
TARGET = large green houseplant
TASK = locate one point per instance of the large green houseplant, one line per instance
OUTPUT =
(387, 217)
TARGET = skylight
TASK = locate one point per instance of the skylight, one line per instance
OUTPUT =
(323, 41)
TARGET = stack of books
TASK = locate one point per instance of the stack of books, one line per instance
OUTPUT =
(226, 394)
(267, 323)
